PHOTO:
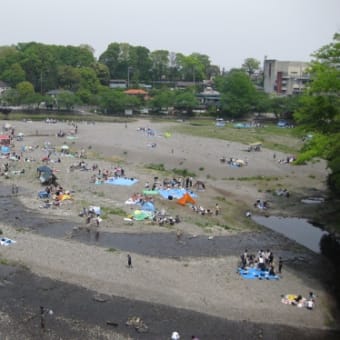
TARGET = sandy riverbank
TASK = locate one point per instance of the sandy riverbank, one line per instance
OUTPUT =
(206, 284)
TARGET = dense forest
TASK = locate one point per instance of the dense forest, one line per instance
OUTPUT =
(33, 69)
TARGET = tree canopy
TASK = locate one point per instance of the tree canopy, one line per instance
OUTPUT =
(239, 94)
(319, 112)
(75, 69)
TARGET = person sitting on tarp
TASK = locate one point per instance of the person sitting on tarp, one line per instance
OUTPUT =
(297, 300)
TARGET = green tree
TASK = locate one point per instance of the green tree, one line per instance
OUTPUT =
(113, 101)
(102, 72)
(319, 111)
(284, 106)
(25, 92)
(160, 64)
(162, 99)
(250, 66)
(110, 58)
(14, 75)
(192, 67)
(69, 77)
(141, 64)
(40, 65)
(238, 94)
(185, 101)
(9, 55)
(10, 97)
(89, 80)
(66, 100)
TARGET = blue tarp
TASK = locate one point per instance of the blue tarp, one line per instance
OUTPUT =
(175, 193)
(43, 194)
(148, 206)
(256, 273)
(5, 150)
(121, 181)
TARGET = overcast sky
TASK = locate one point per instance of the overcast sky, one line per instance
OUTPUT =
(228, 31)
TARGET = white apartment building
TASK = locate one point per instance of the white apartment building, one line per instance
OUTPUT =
(285, 77)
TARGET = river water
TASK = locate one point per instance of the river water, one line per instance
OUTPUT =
(297, 229)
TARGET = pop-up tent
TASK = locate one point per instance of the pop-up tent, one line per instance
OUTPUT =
(148, 206)
(186, 198)
(46, 175)
(44, 168)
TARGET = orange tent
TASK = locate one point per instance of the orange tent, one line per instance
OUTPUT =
(186, 198)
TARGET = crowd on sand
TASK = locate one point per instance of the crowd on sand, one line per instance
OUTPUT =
(263, 260)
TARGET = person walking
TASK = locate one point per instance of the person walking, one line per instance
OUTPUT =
(280, 264)
(217, 209)
(129, 261)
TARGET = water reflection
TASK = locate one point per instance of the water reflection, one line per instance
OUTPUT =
(297, 229)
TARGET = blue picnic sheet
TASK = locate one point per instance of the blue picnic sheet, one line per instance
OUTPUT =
(256, 273)
(175, 193)
(121, 181)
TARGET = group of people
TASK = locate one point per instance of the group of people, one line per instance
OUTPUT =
(263, 260)
(287, 160)
(206, 211)
(105, 174)
(261, 204)
(171, 183)
(161, 219)
(299, 301)
(90, 214)
(56, 194)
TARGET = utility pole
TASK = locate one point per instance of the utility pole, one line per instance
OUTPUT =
(128, 74)
(41, 82)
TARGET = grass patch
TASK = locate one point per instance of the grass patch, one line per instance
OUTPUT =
(225, 226)
(183, 172)
(111, 250)
(112, 211)
(155, 166)
(258, 178)
(5, 262)
(179, 172)
(271, 136)
(203, 224)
